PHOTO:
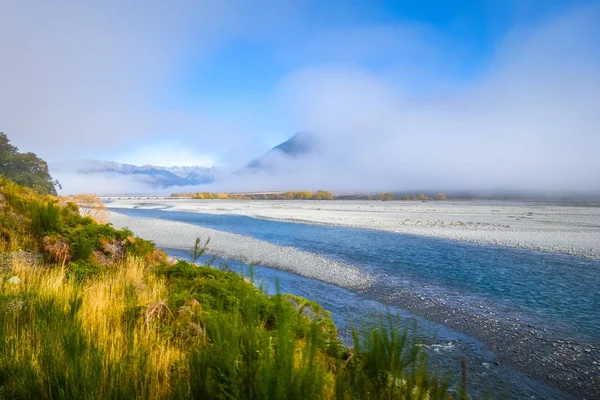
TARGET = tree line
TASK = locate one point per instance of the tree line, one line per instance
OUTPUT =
(299, 195)
(305, 195)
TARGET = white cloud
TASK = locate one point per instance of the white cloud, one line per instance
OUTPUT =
(166, 154)
(530, 122)
(86, 80)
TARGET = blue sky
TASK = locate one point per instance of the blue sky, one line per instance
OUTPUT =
(462, 33)
(220, 82)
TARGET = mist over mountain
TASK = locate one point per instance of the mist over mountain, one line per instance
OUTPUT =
(107, 177)
(302, 144)
(128, 178)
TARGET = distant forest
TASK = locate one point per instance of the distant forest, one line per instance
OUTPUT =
(26, 169)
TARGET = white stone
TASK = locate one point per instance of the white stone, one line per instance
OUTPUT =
(15, 280)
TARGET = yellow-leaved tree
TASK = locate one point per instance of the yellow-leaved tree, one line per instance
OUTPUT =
(90, 205)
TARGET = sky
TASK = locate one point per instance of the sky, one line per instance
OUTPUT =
(404, 94)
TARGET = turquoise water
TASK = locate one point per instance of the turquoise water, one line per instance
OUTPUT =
(558, 290)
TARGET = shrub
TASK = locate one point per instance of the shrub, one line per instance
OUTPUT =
(139, 247)
(385, 196)
(384, 363)
(45, 217)
(81, 270)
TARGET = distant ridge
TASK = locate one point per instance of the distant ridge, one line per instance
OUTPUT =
(156, 176)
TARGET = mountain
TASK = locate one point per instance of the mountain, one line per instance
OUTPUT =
(155, 176)
(299, 145)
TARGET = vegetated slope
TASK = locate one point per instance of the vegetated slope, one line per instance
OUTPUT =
(88, 311)
(25, 168)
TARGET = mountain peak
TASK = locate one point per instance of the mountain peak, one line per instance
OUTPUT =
(300, 143)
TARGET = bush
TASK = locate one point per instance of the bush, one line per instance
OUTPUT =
(45, 217)
(139, 247)
(384, 196)
(86, 238)
(80, 271)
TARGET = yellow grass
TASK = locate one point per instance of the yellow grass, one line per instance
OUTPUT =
(104, 304)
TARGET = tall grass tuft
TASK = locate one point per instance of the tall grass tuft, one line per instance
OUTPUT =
(386, 364)
(45, 216)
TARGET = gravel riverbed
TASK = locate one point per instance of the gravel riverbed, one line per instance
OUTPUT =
(559, 227)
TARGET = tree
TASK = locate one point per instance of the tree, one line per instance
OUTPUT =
(385, 196)
(440, 196)
(322, 195)
(90, 205)
(422, 197)
(26, 169)
(302, 195)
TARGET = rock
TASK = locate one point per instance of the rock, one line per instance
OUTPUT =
(15, 280)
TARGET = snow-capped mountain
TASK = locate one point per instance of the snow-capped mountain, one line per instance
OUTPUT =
(156, 176)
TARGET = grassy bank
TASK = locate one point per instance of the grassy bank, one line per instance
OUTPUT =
(88, 311)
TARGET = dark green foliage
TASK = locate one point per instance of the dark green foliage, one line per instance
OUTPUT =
(209, 286)
(26, 169)
(45, 217)
(85, 239)
(139, 247)
(248, 361)
(385, 363)
(82, 270)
